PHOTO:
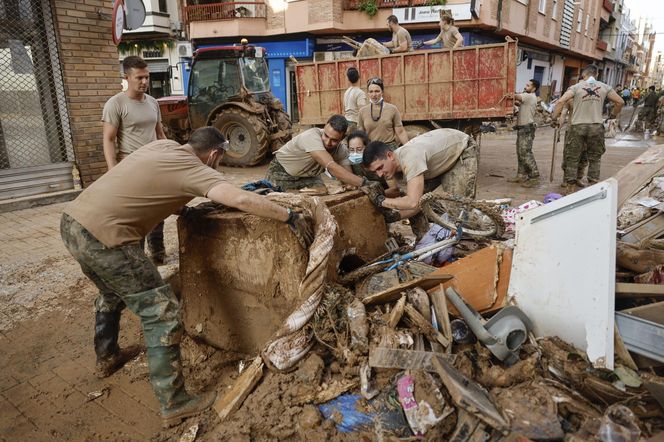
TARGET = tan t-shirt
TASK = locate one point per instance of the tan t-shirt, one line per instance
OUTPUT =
(354, 100)
(588, 102)
(527, 109)
(400, 36)
(295, 158)
(449, 37)
(128, 201)
(383, 129)
(135, 121)
(432, 153)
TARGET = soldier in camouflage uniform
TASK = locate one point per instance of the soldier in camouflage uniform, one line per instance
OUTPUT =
(649, 112)
(102, 229)
(527, 172)
(583, 160)
(586, 132)
(301, 162)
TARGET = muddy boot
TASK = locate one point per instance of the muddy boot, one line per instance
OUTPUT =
(109, 356)
(568, 188)
(420, 225)
(168, 384)
(579, 182)
(531, 182)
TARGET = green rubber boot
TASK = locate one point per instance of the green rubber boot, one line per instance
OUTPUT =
(168, 384)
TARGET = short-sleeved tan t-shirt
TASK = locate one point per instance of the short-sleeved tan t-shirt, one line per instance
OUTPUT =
(588, 102)
(400, 36)
(128, 201)
(449, 37)
(135, 120)
(432, 153)
(527, 109)
(295, 158)
(354, 100)
(383, 129)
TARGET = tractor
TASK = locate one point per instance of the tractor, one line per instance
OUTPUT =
(229, 89)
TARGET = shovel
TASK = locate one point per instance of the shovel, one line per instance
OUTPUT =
(503, 334)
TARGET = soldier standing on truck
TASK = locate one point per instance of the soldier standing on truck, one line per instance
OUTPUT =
(586, 132)
(102, 229)
(131, 119)
(354, 99)
(301, 162)
(527, 173)
(442, 159)
(401, 39)
(449, 34)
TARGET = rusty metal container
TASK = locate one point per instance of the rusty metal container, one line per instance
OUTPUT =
(441, 84)
(240, 274)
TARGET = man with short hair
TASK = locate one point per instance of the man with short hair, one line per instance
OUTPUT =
(442, 159)
(131, 119)
(354, 99)
(401, 39)
(449, 34)
(649, 112)
(527, 173)
(586, 131)
(301, 162)
(102, 229)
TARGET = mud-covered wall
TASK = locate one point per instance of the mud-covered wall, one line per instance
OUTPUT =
(240, 274)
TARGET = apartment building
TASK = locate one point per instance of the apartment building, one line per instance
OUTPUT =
(556, 37)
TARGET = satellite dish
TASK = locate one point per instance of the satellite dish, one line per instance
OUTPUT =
(118, 22)
(134, 14)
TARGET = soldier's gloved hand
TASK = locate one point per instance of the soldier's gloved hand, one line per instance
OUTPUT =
(301, 227)
(418, 44)
(555, 123)
(390, 215)
(374, 190)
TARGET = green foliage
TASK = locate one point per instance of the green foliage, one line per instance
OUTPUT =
(145, 45)
(370, 7)
(436, 2)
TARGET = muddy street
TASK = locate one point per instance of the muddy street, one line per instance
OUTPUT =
(48, 390)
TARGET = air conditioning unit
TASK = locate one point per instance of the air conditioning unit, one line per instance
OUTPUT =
(184, 49)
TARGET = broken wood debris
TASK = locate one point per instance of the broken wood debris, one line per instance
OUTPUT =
(380, 357)
(232, 400)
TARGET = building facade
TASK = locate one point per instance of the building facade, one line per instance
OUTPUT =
(58, 66)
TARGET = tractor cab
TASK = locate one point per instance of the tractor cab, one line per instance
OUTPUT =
(225, 73)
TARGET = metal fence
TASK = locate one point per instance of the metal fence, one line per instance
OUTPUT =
(34, 124)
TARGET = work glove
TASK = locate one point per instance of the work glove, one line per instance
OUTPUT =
(418, 44)
(554, 123)
(374, 190)
(301, 227)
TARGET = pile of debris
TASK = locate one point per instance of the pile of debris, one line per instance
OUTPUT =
(513, 340)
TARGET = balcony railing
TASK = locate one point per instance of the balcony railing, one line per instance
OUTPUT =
(608, 5)
(354, 5)
(601, 45)
(225, 11)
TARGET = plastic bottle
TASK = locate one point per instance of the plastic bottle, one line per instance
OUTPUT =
(76, 176)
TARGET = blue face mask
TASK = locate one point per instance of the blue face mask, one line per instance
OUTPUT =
(355, 158)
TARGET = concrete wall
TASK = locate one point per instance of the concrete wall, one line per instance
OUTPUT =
(89, 63)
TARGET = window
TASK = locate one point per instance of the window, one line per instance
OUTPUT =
(554, 12)
(587, 23)
(542, 6)
(525, 2)
(579, 20)
(162, 6)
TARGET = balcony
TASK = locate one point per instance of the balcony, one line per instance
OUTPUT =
(608, 5)
(601, 45)
(354, 5)
(224, 11)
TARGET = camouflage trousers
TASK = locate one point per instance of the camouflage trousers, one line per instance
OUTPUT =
(277, 175)
(583, 159)
(581, 138)
(461, 179)
(527, 166)
(649, 117)
(126, 277)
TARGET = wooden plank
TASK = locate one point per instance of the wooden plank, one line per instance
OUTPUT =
(233, 399)
(394, 293)
(651, 312)
(483, 278)
(639, 172)
(469, 395)
(425, 326)
(397, 312)
(621, 349)
(381, 357)
(646, 231)
(629, 290)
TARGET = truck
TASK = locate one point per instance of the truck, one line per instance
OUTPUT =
(458, 88)
(229, 89)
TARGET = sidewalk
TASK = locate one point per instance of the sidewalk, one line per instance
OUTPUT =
(46, 315)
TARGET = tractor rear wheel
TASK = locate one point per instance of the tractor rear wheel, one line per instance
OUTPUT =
(247, 135)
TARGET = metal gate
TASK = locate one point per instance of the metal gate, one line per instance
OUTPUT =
(36, 151)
